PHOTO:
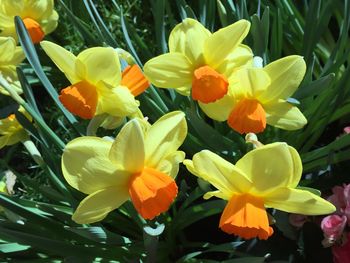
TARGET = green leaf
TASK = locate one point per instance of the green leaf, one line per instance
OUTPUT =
(99, 24)
(194, 213)
(12, 247)
(82, 28)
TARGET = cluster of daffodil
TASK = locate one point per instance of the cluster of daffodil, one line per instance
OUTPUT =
(40, 18)
(141, 164)
(219, 72)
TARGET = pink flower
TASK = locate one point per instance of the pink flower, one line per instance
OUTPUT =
(341, 253)
(347, 194)
(341, 199)
(338, 198)
(333, 227)
(297, 220)
(347, 129)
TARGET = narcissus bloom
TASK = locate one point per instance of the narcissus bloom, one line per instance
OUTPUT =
(98, 85)
(10, 57)
(264, 177)
(140, 164)
(11, 132)
(38, 16)
(258, 96)
(199, 62)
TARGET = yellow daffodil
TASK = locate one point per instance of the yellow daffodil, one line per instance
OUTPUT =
(11, 132)
(38, 16)
(140, 164)
(10, 57)
(200, 62)
(259, 95)
(98, 85)
(264, 177)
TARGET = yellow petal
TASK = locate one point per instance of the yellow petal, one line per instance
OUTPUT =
(242, 56)
(3, 141)
(7, 26)
(63, 59)
(269, 167)
(188, 38)
(112, 122)
(220, 173)
(12, 8)
(97, 205)
(7, 48)
(18, 56)
(99, 65)
(297, 168)
(217, 194)
(128, 151)
(37, 9)
(220, 44)
(286, 75)
(284, 115)
(164, 137)
(171, 70)
(50, 24)
(17, 137)
(116, 102)
(298, 202)
(86, 165)
(220, 109)
(10, 74)
(170, 165)
(249, 83)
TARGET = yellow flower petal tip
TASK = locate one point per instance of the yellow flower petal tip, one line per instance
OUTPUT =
(39, 17)
(265, 177)
(140, 164)
(199, 62)
(152, 192)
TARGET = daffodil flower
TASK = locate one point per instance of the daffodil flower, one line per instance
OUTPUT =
(199, 62)
(264, 177)
(140, 164)
(98, 85)
(10, 57)
(259, 95)
(38, 16)
(11, 131)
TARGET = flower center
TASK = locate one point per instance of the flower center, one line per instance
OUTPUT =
(34, 29)
(152, 192)
(208, 85)
(247, 116)
(80, 99)
(245, 216)
(134, 80)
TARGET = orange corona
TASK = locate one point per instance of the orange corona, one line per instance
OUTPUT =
(245, 216)
(247, 116)
(152, 192)
(208, 85)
